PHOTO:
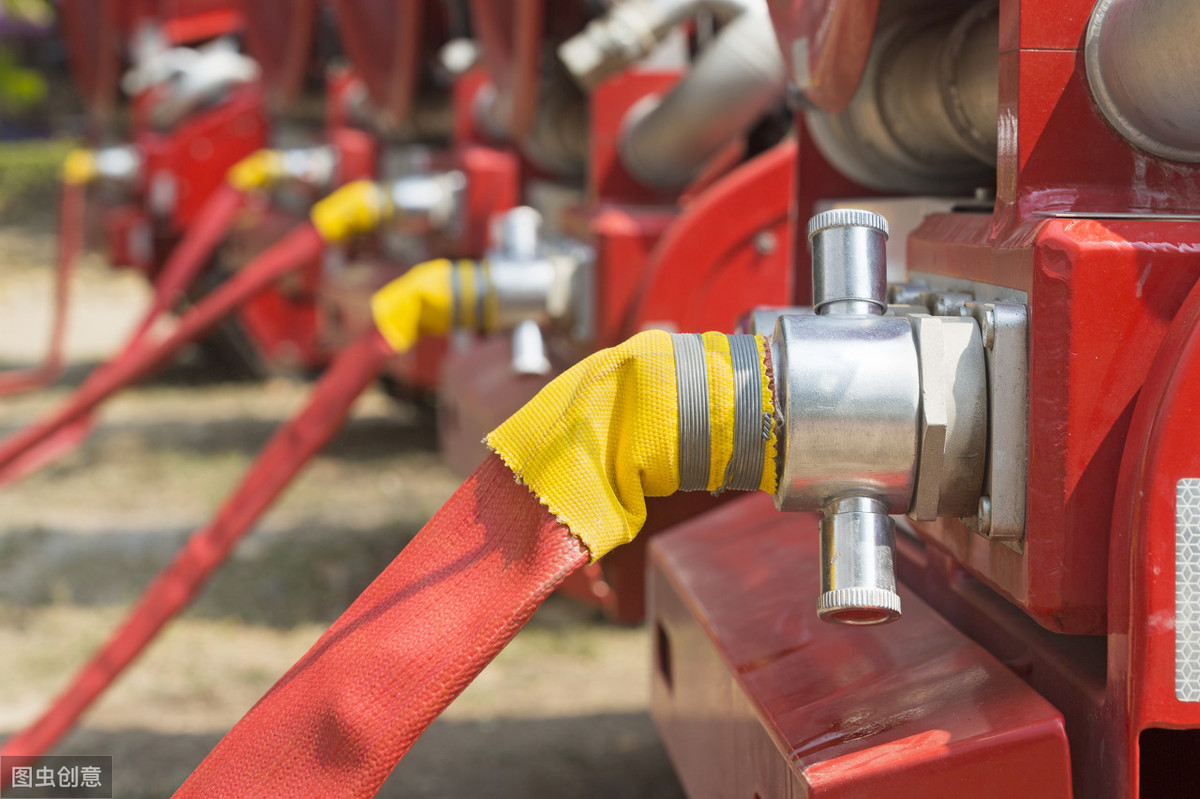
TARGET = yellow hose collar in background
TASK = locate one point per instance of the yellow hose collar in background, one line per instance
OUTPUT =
(604, 435)
(79, 168)
(352, 210)
(424, 301)
(259, 170)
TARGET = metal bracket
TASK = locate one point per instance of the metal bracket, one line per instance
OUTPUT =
(1001, 513)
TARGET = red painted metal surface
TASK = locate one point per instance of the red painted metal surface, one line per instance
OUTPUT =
(97, 33)
(1159, 452)
(610, 102)
(1056, 151)
(1102, 296)
(279, 35)
(187, 164)
(281, 325)
(732, 255)
(622, 238)
(478, 391)
(493, 185)
(825, 45)
(755, 696)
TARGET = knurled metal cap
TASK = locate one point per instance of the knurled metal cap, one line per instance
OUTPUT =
(846, 217)
(859, 606)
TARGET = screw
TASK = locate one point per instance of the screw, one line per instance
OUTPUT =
(988, 323)
(764, 243)
(983, 517)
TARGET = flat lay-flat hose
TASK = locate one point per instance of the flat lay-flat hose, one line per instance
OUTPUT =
(20, 453)
(45, 441)
(289, 449)
(567, 482)
(70, 246)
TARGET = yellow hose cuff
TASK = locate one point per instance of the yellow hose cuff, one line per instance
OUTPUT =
(79, 168)
(352, 210)
(416, 304)
(259, 170)
(604, 435)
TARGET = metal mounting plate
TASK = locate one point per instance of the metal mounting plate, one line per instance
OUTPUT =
(1005, 328)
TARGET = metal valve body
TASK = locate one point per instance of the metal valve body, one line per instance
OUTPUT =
(879, 414)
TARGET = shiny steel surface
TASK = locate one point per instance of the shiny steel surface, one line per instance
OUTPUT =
(849, 261)
(532, 279)
(632, 29)
(737, 79)
(849, 391)
(858, 579)
(924, 118)
(1142, 66)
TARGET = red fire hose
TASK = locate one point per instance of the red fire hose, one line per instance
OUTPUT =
(190, 256)
(286, 453)
(34, 446)
(70, 244)
(338, 722)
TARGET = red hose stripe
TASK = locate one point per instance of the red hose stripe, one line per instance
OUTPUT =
(297, 248)
(341, 719)
(285, 454)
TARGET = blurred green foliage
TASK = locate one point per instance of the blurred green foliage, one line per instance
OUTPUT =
(21, 89)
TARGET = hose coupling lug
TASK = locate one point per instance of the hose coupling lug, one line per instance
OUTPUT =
(858, 548)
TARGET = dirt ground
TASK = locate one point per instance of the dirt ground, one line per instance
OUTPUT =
(562, 712)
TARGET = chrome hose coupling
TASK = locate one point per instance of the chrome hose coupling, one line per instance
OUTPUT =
(880, 414)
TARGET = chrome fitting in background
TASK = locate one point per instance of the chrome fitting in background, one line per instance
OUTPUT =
(311, 166)
(631, 29)
(428, 202)
(119, 165)
(524, 285)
